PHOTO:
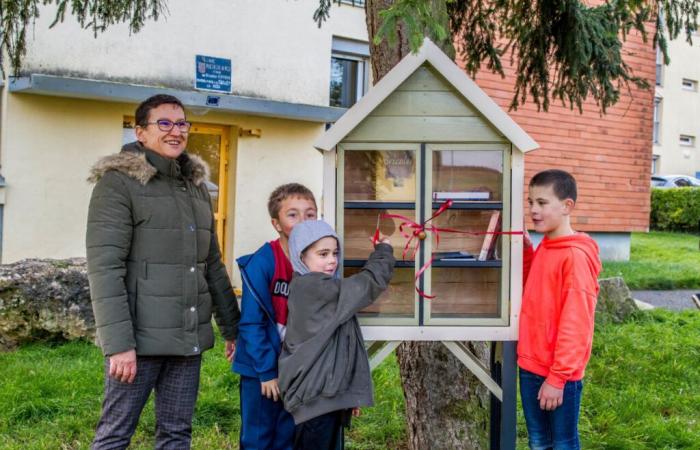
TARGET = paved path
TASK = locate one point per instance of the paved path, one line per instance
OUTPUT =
(673, 300)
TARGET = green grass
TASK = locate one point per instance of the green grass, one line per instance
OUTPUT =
(642, 391)
(50, 399)
(659, 260)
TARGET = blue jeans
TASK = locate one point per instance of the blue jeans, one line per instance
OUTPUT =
(265, 425)
(556, 429)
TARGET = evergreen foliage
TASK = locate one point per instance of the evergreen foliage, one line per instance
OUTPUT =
(16, 17)
(563, 50)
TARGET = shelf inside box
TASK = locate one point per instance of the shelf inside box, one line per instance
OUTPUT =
(465, 292)
(471, 205)
(380, 205)
(397, 301)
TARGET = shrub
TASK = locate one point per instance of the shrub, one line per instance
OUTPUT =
(675, 209)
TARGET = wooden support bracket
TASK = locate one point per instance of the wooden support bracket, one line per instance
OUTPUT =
(475, 366)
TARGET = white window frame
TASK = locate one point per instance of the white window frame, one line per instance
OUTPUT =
(687, 140)
(689, 85)
(354, 51)
(659, 67)
(656, 133)
(358, 3)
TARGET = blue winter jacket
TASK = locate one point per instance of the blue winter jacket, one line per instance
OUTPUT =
(258, 345)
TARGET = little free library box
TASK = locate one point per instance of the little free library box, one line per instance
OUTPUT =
(434, 163)
(425, 135)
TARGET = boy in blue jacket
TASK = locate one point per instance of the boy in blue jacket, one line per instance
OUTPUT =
(266, 275)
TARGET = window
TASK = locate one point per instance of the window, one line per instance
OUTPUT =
(413, 181)
(690, 85)
(349, 72)
(657, 119)
(659, 67)
(655, 169)
(354, 2)
(687, 141)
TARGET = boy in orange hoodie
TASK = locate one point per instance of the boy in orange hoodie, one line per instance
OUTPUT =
(556, 319)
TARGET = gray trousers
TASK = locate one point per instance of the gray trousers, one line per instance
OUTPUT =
(175, 380)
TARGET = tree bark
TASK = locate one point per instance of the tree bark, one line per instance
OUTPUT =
(447, 407)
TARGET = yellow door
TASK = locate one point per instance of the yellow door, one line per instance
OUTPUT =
(211, 143)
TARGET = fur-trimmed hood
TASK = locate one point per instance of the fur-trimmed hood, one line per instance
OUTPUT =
(134, 162)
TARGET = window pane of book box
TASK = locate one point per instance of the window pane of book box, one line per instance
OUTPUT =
(466, 247)
(385, 176)
(360, 225)
(468, 175)
(465, 292)
(399, 298)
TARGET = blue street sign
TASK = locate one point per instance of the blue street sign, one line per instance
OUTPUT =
(213, 74)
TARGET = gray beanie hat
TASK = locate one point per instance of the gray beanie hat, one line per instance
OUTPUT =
(305, 234)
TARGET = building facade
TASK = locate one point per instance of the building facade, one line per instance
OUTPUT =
(75, 99)
(610, 154)
(677, 110)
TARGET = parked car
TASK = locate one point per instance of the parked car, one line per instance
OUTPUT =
(668, 181)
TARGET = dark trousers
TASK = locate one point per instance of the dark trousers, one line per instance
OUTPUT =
(556, 429)
(265, 425)
(175, 380)
(321, 433)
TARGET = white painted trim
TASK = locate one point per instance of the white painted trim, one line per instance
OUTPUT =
(475, 366)
(516, 242)
(380, 355)
(439, 333)
(328, 196)
(453, 74)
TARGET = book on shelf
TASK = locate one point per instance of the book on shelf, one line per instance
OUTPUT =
(462, 196)
(453, 256)
(489, 246)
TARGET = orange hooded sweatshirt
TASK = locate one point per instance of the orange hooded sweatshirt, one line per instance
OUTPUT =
(558, 308)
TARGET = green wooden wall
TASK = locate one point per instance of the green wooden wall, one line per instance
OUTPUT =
(425, 108)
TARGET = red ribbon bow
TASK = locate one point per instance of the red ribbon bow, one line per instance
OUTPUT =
(419, 232)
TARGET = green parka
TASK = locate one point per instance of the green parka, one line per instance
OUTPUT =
(154, 264)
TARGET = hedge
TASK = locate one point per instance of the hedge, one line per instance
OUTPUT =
(675, 209)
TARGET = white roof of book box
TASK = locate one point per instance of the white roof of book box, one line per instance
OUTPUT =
(501, 124)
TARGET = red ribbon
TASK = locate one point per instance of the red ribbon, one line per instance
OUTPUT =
(426, 227)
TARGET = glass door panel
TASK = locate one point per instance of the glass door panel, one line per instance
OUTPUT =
(463, 292)
(359, 227)
(456, 246)
(467, 175)
(208, 147)
(398, 301)
(380, 176)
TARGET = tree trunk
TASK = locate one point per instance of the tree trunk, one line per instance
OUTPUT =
(446, 406)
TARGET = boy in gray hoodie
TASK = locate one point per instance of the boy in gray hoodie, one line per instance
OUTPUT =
(323, 368)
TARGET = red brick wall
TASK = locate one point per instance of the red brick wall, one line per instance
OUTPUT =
(609, 155)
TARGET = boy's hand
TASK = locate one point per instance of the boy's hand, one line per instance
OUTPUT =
(270, 389)
(230, 350)
(550, 397)
(356, 412)
(381, 240)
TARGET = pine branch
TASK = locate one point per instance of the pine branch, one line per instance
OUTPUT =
(563, 50)
(17, 15)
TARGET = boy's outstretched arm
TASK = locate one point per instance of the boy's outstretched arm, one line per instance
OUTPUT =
(363, 288)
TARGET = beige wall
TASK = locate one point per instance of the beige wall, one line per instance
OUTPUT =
(680, 110)
(277, 50)
(50, 143)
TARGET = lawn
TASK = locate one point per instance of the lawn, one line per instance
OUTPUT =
(659, 260)
(642, 392)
